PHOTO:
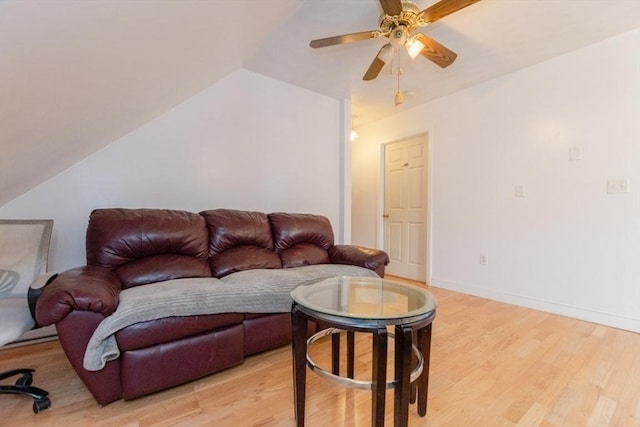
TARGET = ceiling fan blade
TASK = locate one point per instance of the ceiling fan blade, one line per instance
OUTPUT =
(345, 38)
(377, 64)
(391, 7)
(435, 52)
(374, 69)
(444, 8)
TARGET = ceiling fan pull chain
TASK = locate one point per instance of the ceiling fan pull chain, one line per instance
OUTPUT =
(399, 98)
(394, 60)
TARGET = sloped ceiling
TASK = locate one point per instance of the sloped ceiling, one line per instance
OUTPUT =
(75, 76)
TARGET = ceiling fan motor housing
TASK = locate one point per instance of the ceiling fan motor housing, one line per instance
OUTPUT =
(407, 19)
(398, 36)
(410, 6)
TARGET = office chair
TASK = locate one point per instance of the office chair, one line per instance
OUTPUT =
(24, 249)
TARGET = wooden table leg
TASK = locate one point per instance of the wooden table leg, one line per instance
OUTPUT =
(424, 345)
(335, 354)
(350, 353)
(414, 364)
(299, 346)
(403, 358)
(379, 377)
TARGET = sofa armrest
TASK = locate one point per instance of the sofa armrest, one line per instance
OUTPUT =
(86, 288)
(373, 259)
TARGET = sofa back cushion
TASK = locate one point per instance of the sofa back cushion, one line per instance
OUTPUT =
(301, 239)
(239, 240)
(148, 245)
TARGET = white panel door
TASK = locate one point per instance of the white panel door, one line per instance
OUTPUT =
(405, 207)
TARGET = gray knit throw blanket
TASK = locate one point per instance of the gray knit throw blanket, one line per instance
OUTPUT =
(250, 291)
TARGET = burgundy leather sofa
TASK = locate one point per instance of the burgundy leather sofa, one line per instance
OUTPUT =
(127, 248)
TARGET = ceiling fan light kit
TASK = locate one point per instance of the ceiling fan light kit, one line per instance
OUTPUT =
(397, 23)
(386, 53)
(414, 47)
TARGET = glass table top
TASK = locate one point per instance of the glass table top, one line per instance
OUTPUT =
(364, 298)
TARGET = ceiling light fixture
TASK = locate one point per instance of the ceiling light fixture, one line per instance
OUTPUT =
(398, 23)
(414, 47)
(389, 54)
(386, 53)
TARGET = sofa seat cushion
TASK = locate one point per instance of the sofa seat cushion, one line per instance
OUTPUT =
(183, 297)
(254, 315)
(288, 278)
(146, 334)
(250, 291)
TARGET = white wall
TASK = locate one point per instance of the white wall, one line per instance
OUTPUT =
(247, 142)
(567, 247)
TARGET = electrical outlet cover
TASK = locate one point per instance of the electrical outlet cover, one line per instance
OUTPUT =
(617, 186)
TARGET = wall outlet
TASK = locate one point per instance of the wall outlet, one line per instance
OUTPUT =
(520, 190)
(484, 259)
(617, 186)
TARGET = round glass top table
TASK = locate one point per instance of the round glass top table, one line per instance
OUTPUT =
(366, 304)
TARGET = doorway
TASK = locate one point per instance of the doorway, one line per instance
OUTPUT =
(405, 207)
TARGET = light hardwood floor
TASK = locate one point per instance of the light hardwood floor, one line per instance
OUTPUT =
(492, 364)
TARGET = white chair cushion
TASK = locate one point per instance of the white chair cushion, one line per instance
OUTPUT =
(15, 319)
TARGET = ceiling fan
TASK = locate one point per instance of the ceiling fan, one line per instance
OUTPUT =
(398, 22)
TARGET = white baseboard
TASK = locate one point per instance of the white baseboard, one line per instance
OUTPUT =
(548, 306)
(34, 336)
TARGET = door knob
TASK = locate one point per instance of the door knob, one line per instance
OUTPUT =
(385, 216)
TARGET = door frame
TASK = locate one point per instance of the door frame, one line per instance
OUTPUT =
(428, 135)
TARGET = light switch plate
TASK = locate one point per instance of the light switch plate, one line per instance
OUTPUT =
(520, 190)
(575, 153)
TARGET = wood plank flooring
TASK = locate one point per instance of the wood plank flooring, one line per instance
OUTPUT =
(492, 364)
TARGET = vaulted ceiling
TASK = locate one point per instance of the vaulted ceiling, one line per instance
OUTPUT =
(75, 76)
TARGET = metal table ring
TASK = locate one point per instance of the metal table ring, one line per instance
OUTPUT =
(352, 382)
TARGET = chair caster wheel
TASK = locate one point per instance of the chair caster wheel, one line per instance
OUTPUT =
(41, 405)
(25, 380)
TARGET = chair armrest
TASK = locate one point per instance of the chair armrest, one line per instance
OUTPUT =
(86, 288)
(372, 259)
(36, 289)
(43, 280)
